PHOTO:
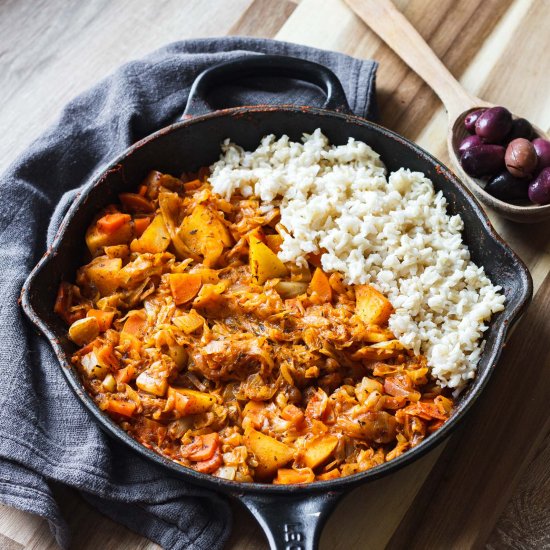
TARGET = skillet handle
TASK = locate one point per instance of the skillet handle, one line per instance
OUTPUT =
(265, 66)
(292, 522)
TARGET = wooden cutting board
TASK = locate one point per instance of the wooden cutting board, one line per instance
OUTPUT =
(489, 485)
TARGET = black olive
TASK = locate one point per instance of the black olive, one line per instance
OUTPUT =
(507, 188)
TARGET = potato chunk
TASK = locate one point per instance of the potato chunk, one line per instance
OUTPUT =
(186, 401)
(92, 366)
(103, 274)
(189, 322)
(319, 449)
(270, 453)
(97, 237)
(205, 234)
(154, 239)
(372, 307)
(151, 384)
(264, 263)
(83, 331)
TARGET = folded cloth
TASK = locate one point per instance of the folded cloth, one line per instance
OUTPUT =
(46, 435)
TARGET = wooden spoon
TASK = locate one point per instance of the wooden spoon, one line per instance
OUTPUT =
(392, 27)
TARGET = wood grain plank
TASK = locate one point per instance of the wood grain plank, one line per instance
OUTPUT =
(9, 544)
(477, 471)
(525, 522)
(455, 30)
(17, 525)
(247, 533)
(54, 50)
(263, 18)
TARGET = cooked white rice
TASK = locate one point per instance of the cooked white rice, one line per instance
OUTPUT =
(393, 233)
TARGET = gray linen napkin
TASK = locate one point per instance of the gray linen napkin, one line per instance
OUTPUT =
(46, 435)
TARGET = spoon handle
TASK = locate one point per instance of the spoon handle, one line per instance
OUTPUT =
(394, 29)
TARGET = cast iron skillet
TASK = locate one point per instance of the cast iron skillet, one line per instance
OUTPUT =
(291, 516)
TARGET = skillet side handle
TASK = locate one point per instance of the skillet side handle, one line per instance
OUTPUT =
(292, 522)
(265, 66)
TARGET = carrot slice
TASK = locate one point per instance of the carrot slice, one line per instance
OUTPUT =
(184, 286)
(293, 414)
(320, 286)
(106, 357)
(211, 465)
(202, 447)
(123, 376)
(135, 323)
(133, 202)
(110, 223)
(274, 242)
(332, 474)
(288, 475)
(129, 342)
(104, 318)
(140, 225)
(124, 408)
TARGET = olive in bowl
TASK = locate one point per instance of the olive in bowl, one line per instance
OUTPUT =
(506, 156)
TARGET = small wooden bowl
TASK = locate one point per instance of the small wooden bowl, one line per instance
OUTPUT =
(519, 211)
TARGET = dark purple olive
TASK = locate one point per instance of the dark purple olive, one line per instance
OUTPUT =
(494, 124)
(469, 141)
(470, 120)
(507, 188)
(542, 148)
(539, 189)
(521, 128)
(521, 158)
(483, 160)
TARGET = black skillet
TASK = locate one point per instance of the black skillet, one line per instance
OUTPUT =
(291, 516)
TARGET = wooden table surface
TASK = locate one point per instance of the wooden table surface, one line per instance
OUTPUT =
(489, 485)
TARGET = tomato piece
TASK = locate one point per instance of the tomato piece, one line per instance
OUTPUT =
(133, 202)
(65, 301)
(317, 405)
(203, 173)
(315, 259)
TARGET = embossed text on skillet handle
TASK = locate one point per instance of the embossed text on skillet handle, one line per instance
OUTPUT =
(292, 522)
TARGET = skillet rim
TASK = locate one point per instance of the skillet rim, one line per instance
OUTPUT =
(504, 321)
